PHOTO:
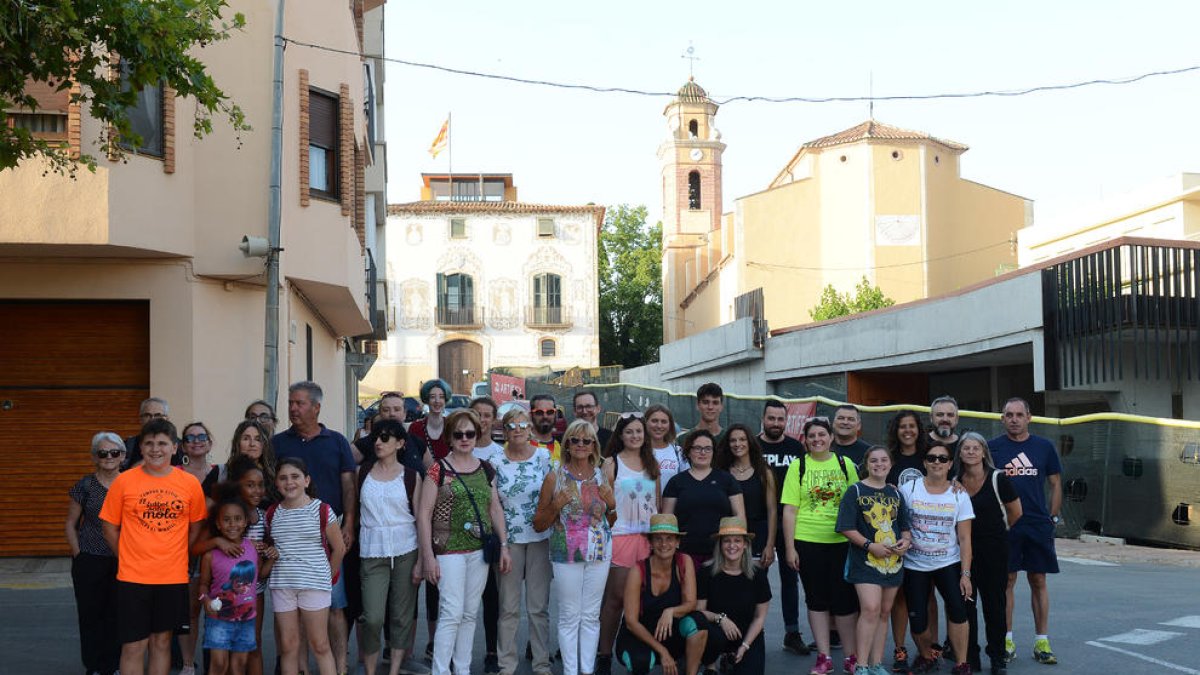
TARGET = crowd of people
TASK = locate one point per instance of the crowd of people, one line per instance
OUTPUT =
(655, 550)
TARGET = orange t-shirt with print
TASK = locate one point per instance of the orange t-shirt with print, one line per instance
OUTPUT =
(154, 514)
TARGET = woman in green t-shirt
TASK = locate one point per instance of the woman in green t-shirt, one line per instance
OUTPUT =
(812, 493)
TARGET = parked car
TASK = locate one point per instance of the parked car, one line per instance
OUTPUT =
(457, 402)
(480, 389)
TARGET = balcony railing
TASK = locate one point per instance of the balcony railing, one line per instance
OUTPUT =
(552, 317)
(459, 317)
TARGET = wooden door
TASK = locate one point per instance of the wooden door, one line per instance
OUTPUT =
(457, 356)
(67, 371)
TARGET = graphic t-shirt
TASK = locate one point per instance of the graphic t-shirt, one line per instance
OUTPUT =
(880, 515)
(1027, 463)
(818, 496)
(233, 583)
(935, 519)
(670, 462)
(519, 483)
(906, 469)
(779, 456)
(154, 513)
(700, 505)
(636, 499)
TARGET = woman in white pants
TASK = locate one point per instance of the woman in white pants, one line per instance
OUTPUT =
(451, 538)
(575, 501)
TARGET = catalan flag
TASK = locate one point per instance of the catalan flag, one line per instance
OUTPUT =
(443, 138)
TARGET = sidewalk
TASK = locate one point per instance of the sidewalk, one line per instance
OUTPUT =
(35, 573)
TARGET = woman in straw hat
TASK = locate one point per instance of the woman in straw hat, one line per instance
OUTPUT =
(734, 599)
(660, 598)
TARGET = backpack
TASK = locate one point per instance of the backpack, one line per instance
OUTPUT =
(324, 516)
(841, 465)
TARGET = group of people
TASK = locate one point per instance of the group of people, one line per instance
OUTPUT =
(655, 549)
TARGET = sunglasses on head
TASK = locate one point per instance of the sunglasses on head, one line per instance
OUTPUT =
(195, 438)
(579, 440)
(938, 459)
(106, 454)
(631, 415)
(459, 435)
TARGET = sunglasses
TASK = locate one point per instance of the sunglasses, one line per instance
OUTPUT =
(261, 417)
(385, 437)
(938, 459)
(579, 440)
(195, 438)
(106, 454)
(513, 426)
(459, 435)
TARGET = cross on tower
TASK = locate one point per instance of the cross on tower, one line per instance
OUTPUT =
(692, 59)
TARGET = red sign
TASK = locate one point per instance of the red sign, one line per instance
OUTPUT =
(506, 387)
(797, 415)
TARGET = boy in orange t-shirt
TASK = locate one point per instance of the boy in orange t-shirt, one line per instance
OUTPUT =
(151, 516)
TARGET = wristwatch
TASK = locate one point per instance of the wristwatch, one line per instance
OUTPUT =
(1055, 519)
(966, 573)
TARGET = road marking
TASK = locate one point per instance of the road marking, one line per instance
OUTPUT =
(1159, 662)
(1183, 622)
(1138, 636)
(1087, 561)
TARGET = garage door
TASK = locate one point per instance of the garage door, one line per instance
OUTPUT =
(67, 370)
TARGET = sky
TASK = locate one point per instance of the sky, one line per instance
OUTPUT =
(1066, 150)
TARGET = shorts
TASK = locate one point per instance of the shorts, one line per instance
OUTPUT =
(822, 572)
(145, 609)
(1031, 549)
(337, 597)
(229, 636)
(291, 599)
(629, 549)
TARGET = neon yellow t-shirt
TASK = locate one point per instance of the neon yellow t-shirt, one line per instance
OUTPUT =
(818, 499)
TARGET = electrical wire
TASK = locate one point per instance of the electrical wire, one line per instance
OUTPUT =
(992, 93)
(752, 263)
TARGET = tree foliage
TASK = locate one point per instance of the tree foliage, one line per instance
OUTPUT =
(630, 262)
(64, 41)
(865, 298)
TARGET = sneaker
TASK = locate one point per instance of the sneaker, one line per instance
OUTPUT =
(999, 667)
(823, 666)
(1042, 653)
(862, 670)
(414, 666)
(900, 660)
(850, 664)
(188, 670)
(923, 665)
(603, 665)
(879, 669)
(491, 664)
(1010, 649)
(963, 668)
(794, 642)
(935, 651)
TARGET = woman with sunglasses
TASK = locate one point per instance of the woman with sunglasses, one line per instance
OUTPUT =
(521, 469)
(573, 504)
(740, 455)
(459, 505)
(197, 443)
(701, 496)
(387, 542)
(940, 558)
(93, 563)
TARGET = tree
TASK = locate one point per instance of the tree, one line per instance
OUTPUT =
(61, 42)
(833, 304)
(630, 269)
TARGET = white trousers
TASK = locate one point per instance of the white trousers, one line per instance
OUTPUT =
(460, 590)
(579, 590)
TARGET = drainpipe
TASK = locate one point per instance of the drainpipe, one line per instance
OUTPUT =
(274, 216)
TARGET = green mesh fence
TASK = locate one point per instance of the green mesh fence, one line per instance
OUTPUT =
(1123, 475)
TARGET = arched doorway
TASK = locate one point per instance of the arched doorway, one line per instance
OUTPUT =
(460, 362)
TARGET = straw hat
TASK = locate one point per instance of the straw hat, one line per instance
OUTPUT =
(732, 527)
(664, 523)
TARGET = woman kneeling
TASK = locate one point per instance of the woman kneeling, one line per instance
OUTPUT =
(734, 597)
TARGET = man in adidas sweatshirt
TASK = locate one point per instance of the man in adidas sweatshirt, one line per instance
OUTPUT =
(1030, 462)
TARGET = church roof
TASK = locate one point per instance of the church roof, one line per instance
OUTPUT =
(878, 130)
(691, 92)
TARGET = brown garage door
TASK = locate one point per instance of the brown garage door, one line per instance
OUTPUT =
(460, 362)
(67, 370)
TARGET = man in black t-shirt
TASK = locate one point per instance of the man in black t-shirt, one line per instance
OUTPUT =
(779, 450)
(847, 423)
(943, 423)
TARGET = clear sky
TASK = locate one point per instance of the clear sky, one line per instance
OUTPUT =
(1062, 149)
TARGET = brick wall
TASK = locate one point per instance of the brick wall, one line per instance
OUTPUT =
(346, 149)
(168, 111)
(303, 128)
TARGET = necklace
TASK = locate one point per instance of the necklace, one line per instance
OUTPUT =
(742, 470)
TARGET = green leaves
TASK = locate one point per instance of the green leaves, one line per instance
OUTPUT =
(833, 304)
(630, 269)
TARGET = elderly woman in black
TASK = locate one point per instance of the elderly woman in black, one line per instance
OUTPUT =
(93, 563)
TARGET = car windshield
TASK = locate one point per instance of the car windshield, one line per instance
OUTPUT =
(458, 401)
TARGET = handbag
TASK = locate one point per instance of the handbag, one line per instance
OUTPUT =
(491, 542)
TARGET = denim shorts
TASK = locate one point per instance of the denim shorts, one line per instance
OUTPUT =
(337, 595)
(229, 636)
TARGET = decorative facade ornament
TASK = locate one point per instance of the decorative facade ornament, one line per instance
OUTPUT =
(505, 304)
(416, 305)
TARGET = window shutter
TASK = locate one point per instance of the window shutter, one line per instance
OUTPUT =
(322, 121)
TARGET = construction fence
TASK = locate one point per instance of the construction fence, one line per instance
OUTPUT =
(1123, 475)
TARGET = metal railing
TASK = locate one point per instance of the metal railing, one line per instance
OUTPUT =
(546, 316)
(459, 317)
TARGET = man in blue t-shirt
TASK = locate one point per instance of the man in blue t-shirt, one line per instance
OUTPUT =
(1030, 462)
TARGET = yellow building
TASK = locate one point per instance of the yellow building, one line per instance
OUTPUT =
(873, 200)
(128, 282)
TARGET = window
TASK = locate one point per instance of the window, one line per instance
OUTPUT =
(51, 126)
(466, 188)
(547, 299)
(694, 190)
(455, 300)
(547, 348)
(323, 162)
(545, 227)
(145, 118)
(693, 129)
(458, 228)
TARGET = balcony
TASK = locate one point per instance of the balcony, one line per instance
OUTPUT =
(547, 317)
(459, 317)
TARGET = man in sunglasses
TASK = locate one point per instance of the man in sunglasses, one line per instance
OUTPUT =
(544, 413)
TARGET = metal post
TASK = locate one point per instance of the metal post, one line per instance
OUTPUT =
(274, 218)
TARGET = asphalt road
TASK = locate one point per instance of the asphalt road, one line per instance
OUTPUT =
(1136, 612)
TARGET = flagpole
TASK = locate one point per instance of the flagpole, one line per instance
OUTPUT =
(450, 151)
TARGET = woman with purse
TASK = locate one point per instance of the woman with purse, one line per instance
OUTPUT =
(461, 531)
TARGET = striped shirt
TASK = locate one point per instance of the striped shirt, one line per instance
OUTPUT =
(302, 562)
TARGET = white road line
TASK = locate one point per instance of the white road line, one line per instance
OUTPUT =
(1183, 622)
(1150, 659)
(1142, 637)
(1087, 561)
